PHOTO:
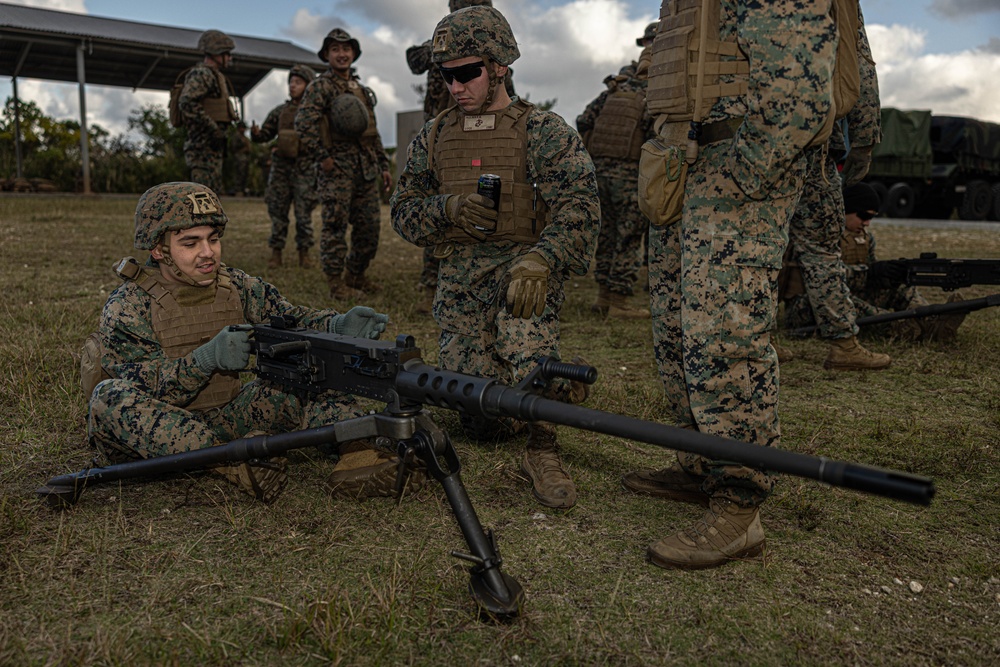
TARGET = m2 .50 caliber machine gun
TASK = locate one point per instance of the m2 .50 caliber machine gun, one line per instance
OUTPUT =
(393, 373)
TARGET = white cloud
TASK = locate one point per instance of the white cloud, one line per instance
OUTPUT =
(75, 6)
(962, 83)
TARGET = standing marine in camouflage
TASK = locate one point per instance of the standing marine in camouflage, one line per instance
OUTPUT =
(614, 126)
(239, 157)
(336, 127)
(174, 360)
(292, 176)
(206, 110)
(436, 100)
(500, 285)
(818, 223)
(741, 129)
(876, 287)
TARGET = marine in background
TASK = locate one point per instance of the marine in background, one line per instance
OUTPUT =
(505, 258)
(206, 110)
(291, 178)
(614, 127)
(336, 127)
(875, 287)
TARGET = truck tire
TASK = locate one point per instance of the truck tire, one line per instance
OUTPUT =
(995, 213)
(976, 202)
(900, 200)
(882, 193)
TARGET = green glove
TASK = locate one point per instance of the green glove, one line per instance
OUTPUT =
(529, 283)
(228, 351)
(359, 322)
(856, 166)
(473, 214)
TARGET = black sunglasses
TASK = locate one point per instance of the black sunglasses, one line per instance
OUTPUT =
(463, 73)
(865, 215)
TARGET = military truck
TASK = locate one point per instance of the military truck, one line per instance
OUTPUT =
(927, 166)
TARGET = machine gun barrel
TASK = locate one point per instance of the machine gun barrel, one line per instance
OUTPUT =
(474, 395)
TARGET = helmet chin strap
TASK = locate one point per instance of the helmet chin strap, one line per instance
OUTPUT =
(494, 80)
(176, 272)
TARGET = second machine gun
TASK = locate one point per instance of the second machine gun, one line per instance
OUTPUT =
(394, 373)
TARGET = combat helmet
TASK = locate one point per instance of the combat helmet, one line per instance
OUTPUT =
(455, 5)
(648, 33)
(339, 35)
(215, 42)
(474, 31)
(348, 116)
(174, 206)
(304, 72)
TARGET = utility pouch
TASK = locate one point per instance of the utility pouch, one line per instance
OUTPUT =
(288, 144)
(91, 371)
(662, 177)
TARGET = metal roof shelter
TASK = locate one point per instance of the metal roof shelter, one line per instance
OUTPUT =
(61, 46)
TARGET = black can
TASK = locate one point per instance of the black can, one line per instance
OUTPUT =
(489, 187)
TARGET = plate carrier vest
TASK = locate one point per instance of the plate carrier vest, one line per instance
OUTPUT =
(351, 87)
(617, 131)
(288, 138)
(181, 329)
(468, 146)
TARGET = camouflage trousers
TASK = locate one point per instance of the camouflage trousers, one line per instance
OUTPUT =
(429, 268)
(348, 201)
(814, 240)
(206, 168)
(713, 290)
(126, 423)
(288, 185)
(507, 347)
(799, 312)
(623, 226)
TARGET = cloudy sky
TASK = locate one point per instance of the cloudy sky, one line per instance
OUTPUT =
(942, 55)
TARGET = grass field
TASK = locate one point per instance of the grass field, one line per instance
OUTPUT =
(191, 572)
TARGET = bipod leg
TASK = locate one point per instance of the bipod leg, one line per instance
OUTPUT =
(497, 594)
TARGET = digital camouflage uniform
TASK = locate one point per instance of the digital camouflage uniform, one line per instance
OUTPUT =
(205, 145)
(290, 181)
(437, 98)
(239, 154)
(713, 273)
(816, 227)
(141, 411)
(350, 191)
(479, 335)
(623, 226)
(858, 252)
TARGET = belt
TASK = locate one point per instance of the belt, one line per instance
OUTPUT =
(710, 133)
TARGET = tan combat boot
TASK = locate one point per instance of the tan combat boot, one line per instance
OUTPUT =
(600, 305)
(359, 281)
(263, 479)
(725, 532)
(364, 472)
(426, 304)
(275, 261)
(621, 307)
(847, 354)
(341, 292)
(673, 483)
(551, 484)
(784, 354)
(943, 327)
(304, 260)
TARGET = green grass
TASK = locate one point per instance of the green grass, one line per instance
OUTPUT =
(189, 571)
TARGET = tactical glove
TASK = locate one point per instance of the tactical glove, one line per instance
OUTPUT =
(359, 322)
(856, 166)
(529, 283)
(228, 351)
(882, 275)
(473, 214)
